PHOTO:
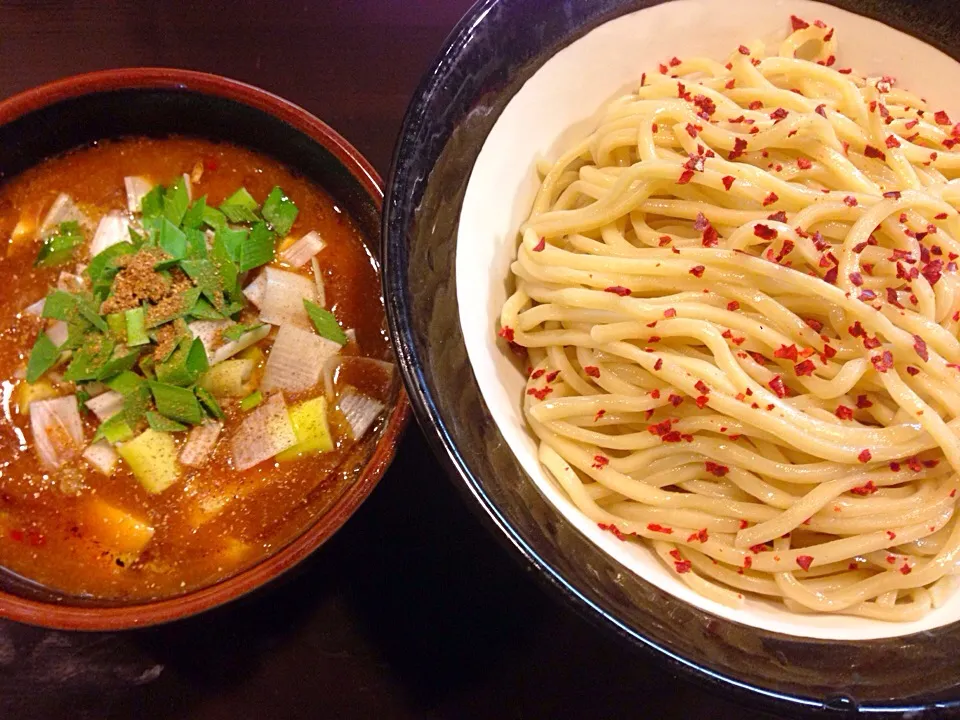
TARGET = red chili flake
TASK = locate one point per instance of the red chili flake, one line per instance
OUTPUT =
(864, 456)
(540, 245)
(592, 371)
(552, 376)
(846, 147)
(764, 232)
(612, 529)
(891, 534)
(788, 352)
(674, 61)
(804, 368)
(540, 394)
(754, 61)
(867, 489)
(821, 110)
(536, 375)
(830, 61)
(744, 524)
(733, 305)
(895, 467)
(697, 270)
(850, 201)
(600, 462)
(658, 364)
(804, 163)
(770, 199)
(856, 278)
(656, 527)
(867, 295)
(744, 50)
(739, 148)
(655, 393)
(827, 38)
(695, 163)
(506, 333)
(911, 370)
(716, 469)
(828, 352)
(702, 387)
(702, 401)
(892, 141)
(654, 127)
(871, 343)
(843, 412)
(931, 271)
(778, 114)
(906, 569)
(747, 563)
(685, 177)
(863, 402)
(710, 237)
(941, 117)
(665, 240)
(871, 152)
(776, 384)
(953, 493)
(797, 23)
(730, 83)
(682, 566)
(755, 105)
(883, 362)
(727, 180)
(804, 561)
(940, 216)
(933, 156)
(661, 428)
(663, 69)
(921, 347)
(930, 463)
(706, 105)
(210, 164)
(669, 313)
(830, 276)
(600, 413)
(618, 290)
(653, 338)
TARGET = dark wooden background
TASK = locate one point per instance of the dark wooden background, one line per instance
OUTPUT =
(412, 610)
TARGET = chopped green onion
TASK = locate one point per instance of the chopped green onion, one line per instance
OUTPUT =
(196, 243)
(101, 267)
(257, 248)
(176, 402)
(233, 239)
(89, 313)
(172, 239)
(136, 395)
(90, 359)
(82, 397)
(58, 247)
(209, 402)
(280, 211)
(325, 322)
(234, 332)
(60, 305)
(251, 401)
(203, 310)
(175, 201)
(187, 300)
(118, 326)
(185, 364)
(197, 357)
(135, 321)
(240, 207)
(152, 203)
(225, 266)
(43, 356)
(114, 429)
(193, 217)
(213, 218)
(205, 277)
(147, 366)
(160, 423)
(119, 364)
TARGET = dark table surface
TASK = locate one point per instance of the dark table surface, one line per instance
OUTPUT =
(413, 610)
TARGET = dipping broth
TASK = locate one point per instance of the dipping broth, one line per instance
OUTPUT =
(194, 364)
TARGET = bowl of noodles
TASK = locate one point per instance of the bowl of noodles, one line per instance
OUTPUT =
(681, 301)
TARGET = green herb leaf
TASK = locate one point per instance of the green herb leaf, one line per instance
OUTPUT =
(43, 356)
(58, 248)
(234, 332)
(135, 326)
(251, 401)
(152, 203)
(240, 207)
(160, 423)
(176, 403)
(114, 429)
(325, 322)
(172, 239)
(280, 211)
(118, 364)
(209, 402)
(257, 248)
(90, 359)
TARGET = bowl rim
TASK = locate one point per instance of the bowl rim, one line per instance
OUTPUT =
(93, 618)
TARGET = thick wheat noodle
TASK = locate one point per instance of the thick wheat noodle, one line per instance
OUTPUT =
(740, 305)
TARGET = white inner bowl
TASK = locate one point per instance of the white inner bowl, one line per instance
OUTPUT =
(563, 102)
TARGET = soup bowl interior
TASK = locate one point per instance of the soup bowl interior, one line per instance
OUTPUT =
(464, 181)
(72, 113)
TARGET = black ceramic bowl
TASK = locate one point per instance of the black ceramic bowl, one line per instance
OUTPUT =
(491, 53)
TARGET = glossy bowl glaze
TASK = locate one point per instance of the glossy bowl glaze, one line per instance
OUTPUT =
(76, 111)
(497, 47)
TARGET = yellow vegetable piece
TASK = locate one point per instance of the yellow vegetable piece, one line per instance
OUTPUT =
(152, 456)
(309, 420)
(114, 528)
(230, 378)
(27, 393)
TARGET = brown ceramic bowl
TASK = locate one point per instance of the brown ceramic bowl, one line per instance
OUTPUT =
(76, 111)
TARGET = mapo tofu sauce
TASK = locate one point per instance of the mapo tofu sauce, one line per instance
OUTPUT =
(194, 364)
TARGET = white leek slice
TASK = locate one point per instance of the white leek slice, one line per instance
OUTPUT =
(296, 360)
(266, 431)
(105, 405)
(62, 210)
(188, 185)
(102, 456)
(57, 430)
(228, 350)
(58, 332)
(136, 187)
(255, 290)
(113, 228)
(303, 250)
(35, 309)
(283, 298)
(200, 444)
(318, 279)
(360, 411)
(210, 333)
(71, 283)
